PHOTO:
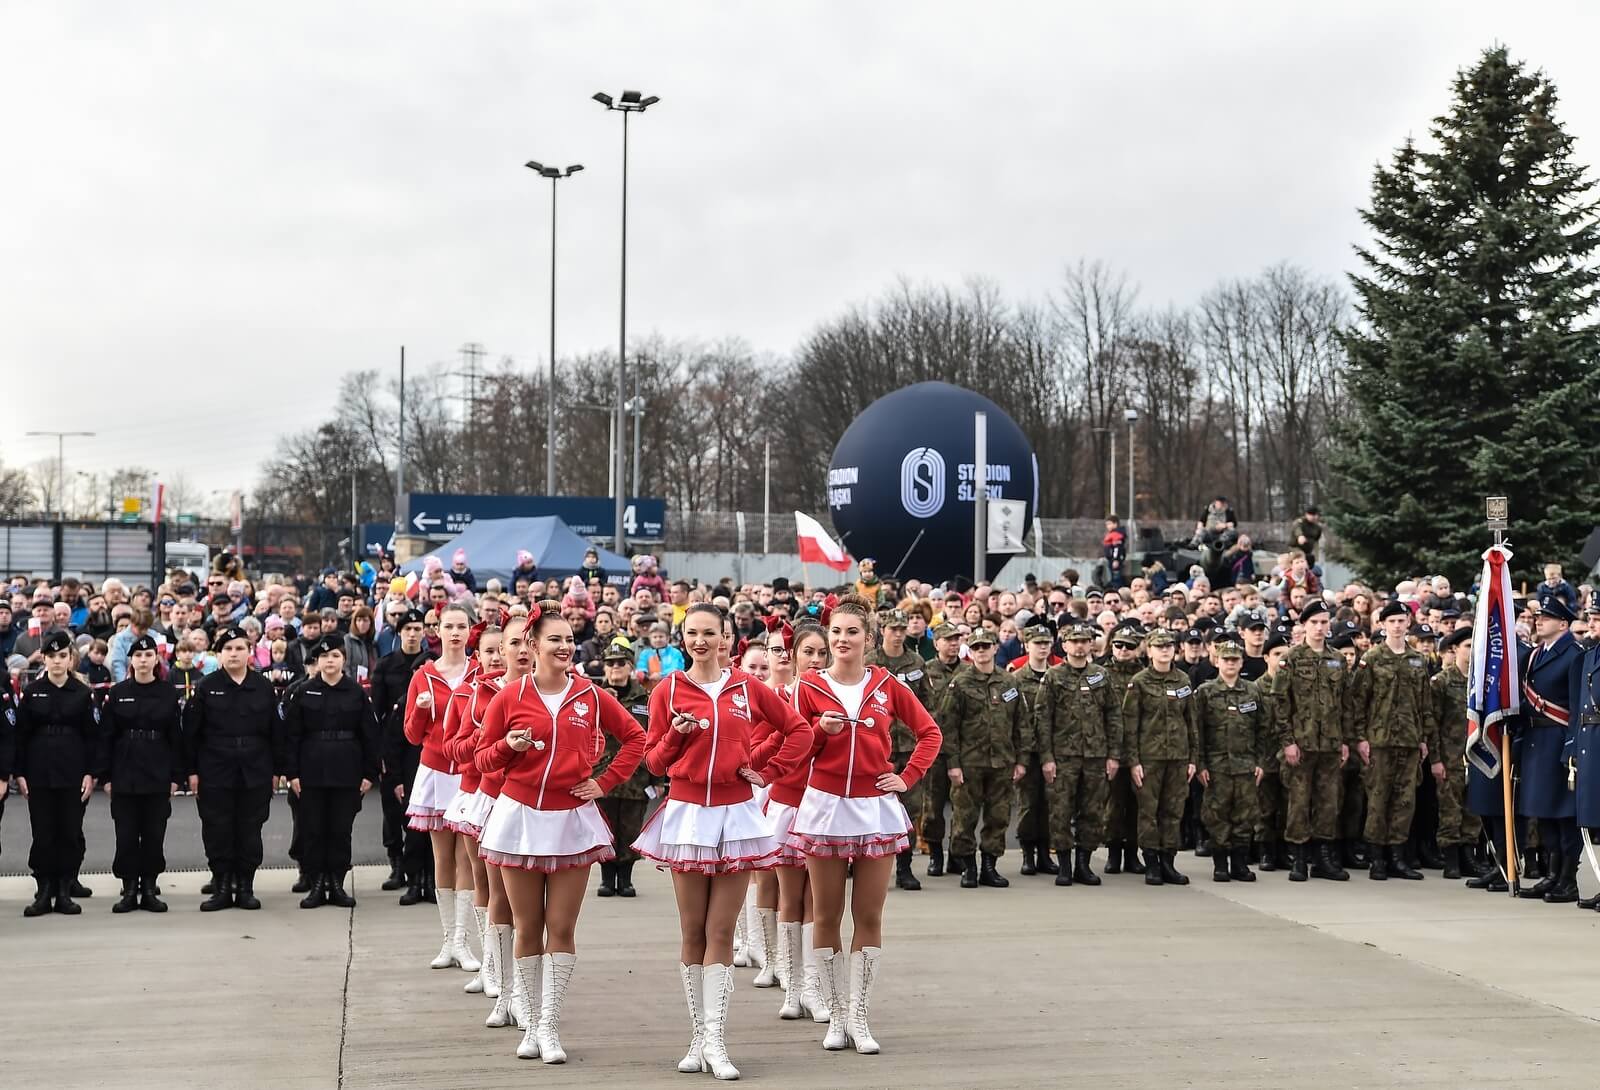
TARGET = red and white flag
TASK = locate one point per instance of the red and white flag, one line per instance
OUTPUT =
(816, 547)
(158, 500)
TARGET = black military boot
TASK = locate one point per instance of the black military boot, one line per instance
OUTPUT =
(1297, 863)
(1268, 859)
(63, 902)
(969, 872)
(244, 894)
(608, 880)
(303, 882)
(1430, 855)
(1590, 902)
(333, 888)
(430, 891)
(77, 888)
(1082, 873)
(316, 893)
(1537, 891)
(625, 880)
(130, 897)
(1065, 871)
(1113, 858)
(413, 893)
(221, 893)
(1533, 866)
(1131, 862)
(40, 906)
(1326, 864)
(1219, 866)
(1239, 865)
(1152, 868)
(1565, 891)
(1400, 866)
(150, 896)
(1486, 878)
(988, 876)
(1378, 871)
(397, 876)
(1202, 847)
(1027, 861)
(1452, 861)
(936, 860)
(1169, 871)
(1349, 854)
(1042, 861)
(903, 877)
(209, 888)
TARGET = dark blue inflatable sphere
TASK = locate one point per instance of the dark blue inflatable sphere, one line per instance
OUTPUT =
(904, 467)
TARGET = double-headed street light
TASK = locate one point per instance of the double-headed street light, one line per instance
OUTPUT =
(555, 174)
(630, 102)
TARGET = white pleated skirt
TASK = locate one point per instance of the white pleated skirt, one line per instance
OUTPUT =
(468, 812)
(517, 835)
(431, 794)
(829, 826)
(693, 839)
(782, 816)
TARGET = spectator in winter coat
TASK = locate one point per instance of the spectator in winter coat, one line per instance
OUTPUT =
(1241, 560)
(1554, 586)
(1114, 547)
(591, 569)
(461, 573)
(324, 595)
(659, 659)
(646, 576)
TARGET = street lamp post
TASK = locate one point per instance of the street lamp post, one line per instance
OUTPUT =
(61, 461)
(555, 174)
(1132, 417)
(630, 102)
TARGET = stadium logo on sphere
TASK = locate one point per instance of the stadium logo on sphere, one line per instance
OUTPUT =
(922, 482)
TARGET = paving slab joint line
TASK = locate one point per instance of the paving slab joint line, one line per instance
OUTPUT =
(349, 959)
(1440, 969)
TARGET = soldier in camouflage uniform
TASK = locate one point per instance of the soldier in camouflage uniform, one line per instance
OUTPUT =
(1122, 802)
(1078, 723)
(1310, 705)
(939, 670)
(1352, 822)
(1269, 792)
(1033, 821)
(1393, 708)
(1162, 729)
(1234, 731)
(1458, 829)
(907, 666)
(624, 805)
(985, 745)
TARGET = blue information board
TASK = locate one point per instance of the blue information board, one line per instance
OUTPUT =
(445, 515)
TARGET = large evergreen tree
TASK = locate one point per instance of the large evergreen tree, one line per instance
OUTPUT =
(1474, 368)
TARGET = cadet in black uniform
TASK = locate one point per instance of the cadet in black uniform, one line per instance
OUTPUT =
(57, 746)
(233, 743)
(624, 805)
(410, 853)
(331, 760)
(141, 769)
(8, 739)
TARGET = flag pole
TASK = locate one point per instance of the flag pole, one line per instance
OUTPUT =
(1497, 510)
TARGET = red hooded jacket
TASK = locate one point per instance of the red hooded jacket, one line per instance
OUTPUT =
(850, 762)
(747, 726)
(564, 748)
(462, 722)
(425, 726)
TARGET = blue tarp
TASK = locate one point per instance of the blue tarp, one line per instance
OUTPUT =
(557, 549)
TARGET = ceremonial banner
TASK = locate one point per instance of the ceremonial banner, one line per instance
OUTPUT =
(1493, 692)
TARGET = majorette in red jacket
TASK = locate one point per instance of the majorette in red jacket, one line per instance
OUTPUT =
(425, 726)
(564, 749)
(788, 789)
(468, 705)
(746, 726)
(850, 762)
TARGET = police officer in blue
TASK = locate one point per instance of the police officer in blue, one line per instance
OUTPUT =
(1550, 675)
(1584, 753)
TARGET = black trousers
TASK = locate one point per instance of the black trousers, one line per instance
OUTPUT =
(326, 817)
(394, 818)
(56, 814)
(230, 825)
(141, 821)
(296, 852)
(626, 818)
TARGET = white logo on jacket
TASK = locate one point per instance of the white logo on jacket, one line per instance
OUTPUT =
(581, 707)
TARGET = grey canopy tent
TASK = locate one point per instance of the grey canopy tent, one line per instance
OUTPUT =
(557, 549)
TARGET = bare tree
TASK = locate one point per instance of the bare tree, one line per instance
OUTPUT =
(1095, 306)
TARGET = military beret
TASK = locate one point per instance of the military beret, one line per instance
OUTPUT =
(1555, 607)
(1312, 608)
(1274, 642)
(1342, 640)
(326, 645)
(1460, 635)
(1037, 632)
(56, 642)
(413, 616)
(1449, 613)
(1193, 635)
(227, 635)
(944, 630)
(1227, 649)
(146, 642)
(981, 637)
(1393, 609)
(1422, 631)
(892, 618)
(1160, 637)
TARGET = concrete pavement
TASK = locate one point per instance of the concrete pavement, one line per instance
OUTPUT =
(1359, 984)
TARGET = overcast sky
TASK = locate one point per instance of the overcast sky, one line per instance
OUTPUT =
(212, 210)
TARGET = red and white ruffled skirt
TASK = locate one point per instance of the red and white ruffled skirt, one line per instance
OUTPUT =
(694, 839)
(830, 826)
(431, 794)
(468, 813)
(517, 835)
(782, 816)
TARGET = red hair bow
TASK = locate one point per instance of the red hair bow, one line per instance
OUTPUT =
(777, 624)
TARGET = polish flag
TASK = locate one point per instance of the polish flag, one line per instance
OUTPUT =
(816, 547)
(158, 500)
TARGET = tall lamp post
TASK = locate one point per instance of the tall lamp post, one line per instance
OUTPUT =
(1132, 417)
(555, 174)
(630, 102)
(61, 438)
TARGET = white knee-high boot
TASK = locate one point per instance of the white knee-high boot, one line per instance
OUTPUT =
(863, 971)
(767, 926)
(479, 985)
(528, 980)
(830, 974)
(717, 991)
(741, 942)
(789, 941)
(558, 970)
(693, 1061)
(502, 1015)
(812, 997)
(463, 921)
(447, 921)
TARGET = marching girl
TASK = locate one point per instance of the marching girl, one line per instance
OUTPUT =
(545, 832)
(438, 780)
(801, 992)
(850, 823)
(761, 915)
(751, 944)
(470, 807)
(715, 731)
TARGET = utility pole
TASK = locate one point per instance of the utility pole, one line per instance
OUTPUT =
(400, 455)
(61, 461)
